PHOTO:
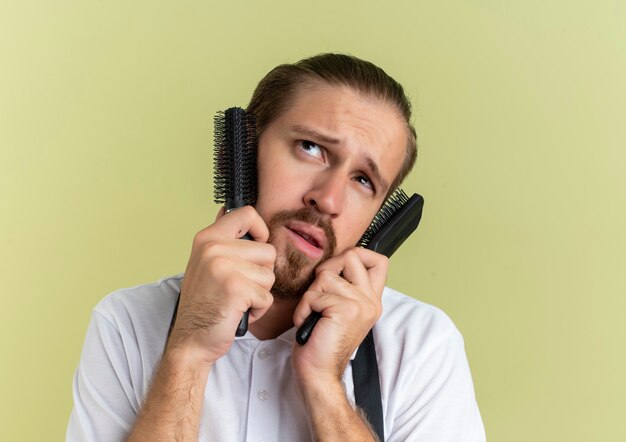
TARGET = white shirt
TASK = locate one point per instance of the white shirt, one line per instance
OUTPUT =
(426, 386)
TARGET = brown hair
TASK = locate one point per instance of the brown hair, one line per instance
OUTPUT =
(274, 92)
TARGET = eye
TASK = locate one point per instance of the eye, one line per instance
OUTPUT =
(365, 181)
(310, 148)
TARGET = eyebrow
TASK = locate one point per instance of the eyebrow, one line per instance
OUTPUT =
(315, 134)
(330, 140)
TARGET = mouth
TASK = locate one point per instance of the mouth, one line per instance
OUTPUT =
(307, 238)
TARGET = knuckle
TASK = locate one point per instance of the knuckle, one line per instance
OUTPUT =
(268, 278)
(373, 310)
(308, 296)
(217, 265)
(249, 214)
(353, 309)
(351, 255)
(326, 275)
(232, 284)
(269, 254)
(369, 311)
(371, 255)
(379, 311)
(266, 298)
(383, 260)
(248, 211)
(211, 249)
(325, 297)
(363, 310)
(198, 239)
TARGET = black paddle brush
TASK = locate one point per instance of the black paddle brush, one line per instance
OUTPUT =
(235, 170)
(397, 218)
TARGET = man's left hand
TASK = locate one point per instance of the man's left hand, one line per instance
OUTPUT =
(347, 291)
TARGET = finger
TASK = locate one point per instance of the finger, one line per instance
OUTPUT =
(257, 274)
(245, 294)
(344, 309)
(304, 309)
(354, 271)
(334, 265)
(350, 267)
(328, 281)
(262, 254)
(327, 304)
(260, 303)
(238, 222)
(376, 266)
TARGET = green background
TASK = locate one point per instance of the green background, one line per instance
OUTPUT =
(105, 146)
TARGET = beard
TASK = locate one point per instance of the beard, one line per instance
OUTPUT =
(295, 272)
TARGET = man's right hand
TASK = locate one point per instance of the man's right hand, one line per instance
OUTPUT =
(225, 277)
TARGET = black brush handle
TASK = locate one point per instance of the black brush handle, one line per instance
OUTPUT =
(242, 328)
(305, 330)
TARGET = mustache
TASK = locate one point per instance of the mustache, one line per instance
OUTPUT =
(309, 216)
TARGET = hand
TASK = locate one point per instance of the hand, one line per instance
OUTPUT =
(347, 292)
(225, 277)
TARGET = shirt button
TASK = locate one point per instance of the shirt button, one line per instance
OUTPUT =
(264, 354)
(263, 395)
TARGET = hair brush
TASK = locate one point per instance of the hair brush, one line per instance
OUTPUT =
(235, 171)
(397, 218)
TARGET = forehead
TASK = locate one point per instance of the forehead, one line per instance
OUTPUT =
(359, 123)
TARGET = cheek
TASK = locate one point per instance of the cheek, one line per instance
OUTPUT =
(348, 235)
(279, 188)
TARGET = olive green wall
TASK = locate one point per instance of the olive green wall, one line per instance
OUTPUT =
(105, 140)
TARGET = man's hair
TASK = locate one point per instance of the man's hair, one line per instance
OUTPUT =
(275, 91)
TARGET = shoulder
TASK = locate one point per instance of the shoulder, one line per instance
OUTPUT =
(406, 318)
(426, 383)
(122, 348)
(147, 306)
(414, 338)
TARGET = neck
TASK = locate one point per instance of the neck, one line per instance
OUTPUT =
(277, 320)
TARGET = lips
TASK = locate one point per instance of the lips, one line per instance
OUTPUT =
(310, 239)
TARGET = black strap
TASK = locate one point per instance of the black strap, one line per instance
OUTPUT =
(173, 321)
(367, 384)
(364, 376)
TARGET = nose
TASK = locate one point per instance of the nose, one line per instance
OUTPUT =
(328, 193)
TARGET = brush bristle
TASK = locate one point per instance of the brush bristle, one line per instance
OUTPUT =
(390, 207)
(235, 153)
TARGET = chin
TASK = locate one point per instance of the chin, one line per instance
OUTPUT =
(294, 275)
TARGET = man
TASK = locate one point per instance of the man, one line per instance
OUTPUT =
(334, 140)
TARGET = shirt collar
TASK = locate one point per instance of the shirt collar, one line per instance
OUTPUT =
(288, 336)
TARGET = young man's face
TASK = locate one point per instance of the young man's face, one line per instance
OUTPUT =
(325, 166)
